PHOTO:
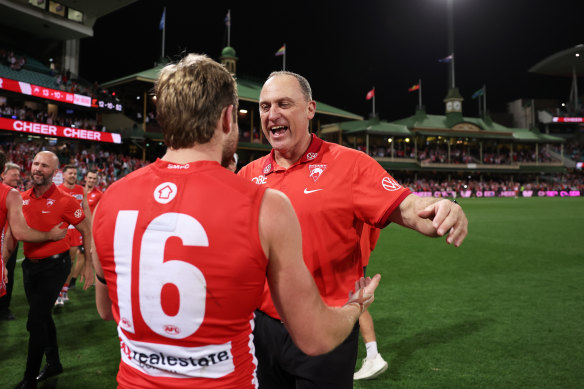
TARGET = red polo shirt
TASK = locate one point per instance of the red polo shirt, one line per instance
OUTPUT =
(334, 190)
(93, 198)
(43, 213)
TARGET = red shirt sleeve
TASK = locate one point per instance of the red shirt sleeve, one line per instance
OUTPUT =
(375, 193)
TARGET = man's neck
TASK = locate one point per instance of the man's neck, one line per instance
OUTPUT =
(206, 152)
(287, 158)
(40, 190)
(69, 186)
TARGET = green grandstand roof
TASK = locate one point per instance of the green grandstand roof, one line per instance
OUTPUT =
(424, 124)
(248, 91)
(371, 126)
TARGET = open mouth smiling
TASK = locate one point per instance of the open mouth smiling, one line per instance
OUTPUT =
(278, 130)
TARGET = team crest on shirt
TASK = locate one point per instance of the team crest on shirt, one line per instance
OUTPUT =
(165, 192)
(316, 171)
(50, 202)
(390, 184)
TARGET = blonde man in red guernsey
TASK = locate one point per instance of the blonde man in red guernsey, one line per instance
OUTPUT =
(183, 247)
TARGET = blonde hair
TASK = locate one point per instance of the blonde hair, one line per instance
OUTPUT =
(190, 96)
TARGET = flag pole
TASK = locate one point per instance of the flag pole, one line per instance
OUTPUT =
(229, 28)
(484, 99)
(420, 94)
(374, 101)
(163, 30)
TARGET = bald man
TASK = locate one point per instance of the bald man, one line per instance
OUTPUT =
(47, 264)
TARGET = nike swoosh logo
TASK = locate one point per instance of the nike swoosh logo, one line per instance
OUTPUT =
(306, 191)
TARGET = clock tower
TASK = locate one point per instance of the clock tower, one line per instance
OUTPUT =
(453, 101)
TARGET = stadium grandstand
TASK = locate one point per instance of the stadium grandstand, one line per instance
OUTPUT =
(46, 104)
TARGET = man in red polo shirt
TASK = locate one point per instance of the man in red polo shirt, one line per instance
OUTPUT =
(76, 251)
(334, 191)
(15, 228)
(46, 265)
(93, 194)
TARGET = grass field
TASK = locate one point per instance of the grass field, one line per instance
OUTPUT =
(505, 310)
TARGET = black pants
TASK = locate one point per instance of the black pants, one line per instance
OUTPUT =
(10, 265)
(282, 365)
(42, 283)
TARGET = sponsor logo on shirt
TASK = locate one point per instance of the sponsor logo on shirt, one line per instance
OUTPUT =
(260, 180)
(390, 184)
(316, 171)
(311, 156)
(173, 166)
(165, 192)
(165, 360)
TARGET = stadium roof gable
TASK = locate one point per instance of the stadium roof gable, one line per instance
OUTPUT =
(562, 63)
(483, 127)
(248, 90)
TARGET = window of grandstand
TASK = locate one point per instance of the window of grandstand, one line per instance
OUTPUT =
(74, 15)
(57, 8)
(38, 3)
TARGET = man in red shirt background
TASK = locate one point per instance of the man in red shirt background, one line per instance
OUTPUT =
(76, 252)
(10, 177)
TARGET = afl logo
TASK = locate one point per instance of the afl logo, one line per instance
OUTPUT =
(171, 330)
(267, 169)
(311, 156)
(390, 184)
(165, 192)
(78, 213)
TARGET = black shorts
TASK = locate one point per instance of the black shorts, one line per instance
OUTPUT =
(282, 365)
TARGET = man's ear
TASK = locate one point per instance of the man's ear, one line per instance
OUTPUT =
(227, 118)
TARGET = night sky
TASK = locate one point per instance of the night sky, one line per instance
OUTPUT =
(344, 48)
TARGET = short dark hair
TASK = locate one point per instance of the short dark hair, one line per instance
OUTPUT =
(67, 167)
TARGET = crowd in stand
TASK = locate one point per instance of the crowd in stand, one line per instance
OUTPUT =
(438, 153)
(13, 61)
(559, 182)
(109, 165)
(28, 114)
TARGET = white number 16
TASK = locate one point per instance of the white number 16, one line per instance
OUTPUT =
(155, 272)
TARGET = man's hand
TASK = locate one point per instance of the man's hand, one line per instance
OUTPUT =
(88, 275)
(364, 292)
(447, 218)
(57, 233)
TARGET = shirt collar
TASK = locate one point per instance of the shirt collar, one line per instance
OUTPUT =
(309, 155)
(45, 195)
